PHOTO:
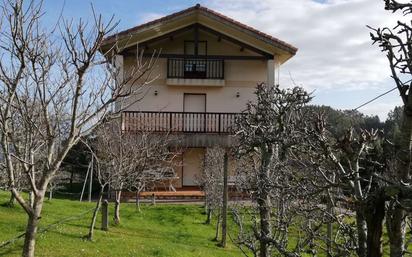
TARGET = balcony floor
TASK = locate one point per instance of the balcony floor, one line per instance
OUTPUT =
(195, 82)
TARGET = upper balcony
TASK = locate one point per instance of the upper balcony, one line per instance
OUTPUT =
(196, 70)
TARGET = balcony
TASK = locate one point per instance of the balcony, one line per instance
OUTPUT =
(185, 122)
(195, 71)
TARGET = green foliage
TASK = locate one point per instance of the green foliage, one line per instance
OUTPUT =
(340, 121)
(77, 159)
(393, 123)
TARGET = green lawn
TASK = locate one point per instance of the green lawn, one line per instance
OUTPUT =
(162, 230)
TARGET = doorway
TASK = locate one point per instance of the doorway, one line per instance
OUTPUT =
(192, 166)
(194, 104)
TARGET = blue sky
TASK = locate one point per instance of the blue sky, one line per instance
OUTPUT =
(335, 57)
(128, 12)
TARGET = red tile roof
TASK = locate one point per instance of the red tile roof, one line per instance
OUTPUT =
(263, 36)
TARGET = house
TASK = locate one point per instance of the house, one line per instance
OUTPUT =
(208, 69)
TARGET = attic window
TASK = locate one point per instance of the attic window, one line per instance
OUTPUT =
(190, 47)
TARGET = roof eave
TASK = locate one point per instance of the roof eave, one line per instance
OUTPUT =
(288, 50)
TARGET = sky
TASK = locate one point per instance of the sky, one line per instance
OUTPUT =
(335, 61)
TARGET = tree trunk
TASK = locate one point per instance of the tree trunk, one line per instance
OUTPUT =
(50, 194)
(71, 180)
(396, 218)
(32, 225)
(329, 230)
(209, 216)
(396, 226)
(375, 216)
(138, 200)
(217, 226)
(117, 207)
(263, 201)
(94, 217)
(31, 199)
(265, 229)
(105, 215)
(362, 230)
(405, 144)
(225, 201)
(12, 200)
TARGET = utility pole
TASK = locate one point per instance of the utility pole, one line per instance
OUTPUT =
(225, 200)
(91, 181)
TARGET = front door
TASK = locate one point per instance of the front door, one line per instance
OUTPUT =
(192, 167)
(194, 105)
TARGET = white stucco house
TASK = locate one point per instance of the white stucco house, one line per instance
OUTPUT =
(208, 70)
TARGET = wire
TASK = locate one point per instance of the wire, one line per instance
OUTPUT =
(373, 99)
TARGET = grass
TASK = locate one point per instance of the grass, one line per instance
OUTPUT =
(162, 230)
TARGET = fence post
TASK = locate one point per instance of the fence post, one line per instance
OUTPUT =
(153, 199)
(105, 215)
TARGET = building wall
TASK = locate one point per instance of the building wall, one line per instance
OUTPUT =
(195, 157)
(241, 76)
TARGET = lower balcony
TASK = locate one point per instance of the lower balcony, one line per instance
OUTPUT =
(185, 122)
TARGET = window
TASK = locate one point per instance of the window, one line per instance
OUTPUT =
(190, 47)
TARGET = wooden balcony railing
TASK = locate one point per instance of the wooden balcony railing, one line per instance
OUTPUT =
(195, 68)
(187, 122)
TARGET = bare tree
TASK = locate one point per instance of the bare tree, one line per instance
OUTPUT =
(55, 86)
(349, 170)
(298, 214)
(396, 44)
(301, 176)
(266, 133)
(132, 160)
(211, 179)
(128, 161)
(211, 182)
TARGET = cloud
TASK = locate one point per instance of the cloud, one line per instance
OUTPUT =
(380, 109)
(335, 54)
(146, 17)
(334, 46)
(335, 51)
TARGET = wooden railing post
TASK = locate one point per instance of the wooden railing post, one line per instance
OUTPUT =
(223, 70)
(184, 122)
(219, 130)
(170, 121)
(204, 121)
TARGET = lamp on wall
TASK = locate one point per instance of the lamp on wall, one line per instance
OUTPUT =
(155, 92)
(237, 94)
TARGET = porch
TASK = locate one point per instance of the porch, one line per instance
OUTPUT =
(190, 193)
(184, 194)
